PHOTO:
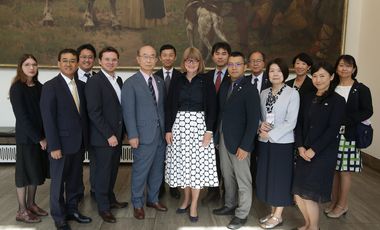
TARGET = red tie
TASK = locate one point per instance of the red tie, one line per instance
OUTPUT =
(218, 81)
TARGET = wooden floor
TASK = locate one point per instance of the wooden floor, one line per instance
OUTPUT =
(364, 212)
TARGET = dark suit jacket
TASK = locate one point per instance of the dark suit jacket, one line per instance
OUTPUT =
(239, 115)
(104, 110)
(160, 73)
(358, 108)
(210, 74)
(29, 128)
(318, 128)
(266, 83)
(306, 87)
(65, 128)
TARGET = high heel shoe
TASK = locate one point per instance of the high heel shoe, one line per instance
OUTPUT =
(182, 210)
(329, 209)
(343, 212)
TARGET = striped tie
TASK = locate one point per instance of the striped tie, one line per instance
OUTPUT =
(150, 84)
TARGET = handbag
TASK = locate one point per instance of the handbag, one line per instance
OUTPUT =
(363, 135)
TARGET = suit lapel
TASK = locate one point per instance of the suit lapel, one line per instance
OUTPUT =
(67, 91)
(107, 83)
(160, 87)
(144, 85)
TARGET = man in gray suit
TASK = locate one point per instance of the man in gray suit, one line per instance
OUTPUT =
(142, 99)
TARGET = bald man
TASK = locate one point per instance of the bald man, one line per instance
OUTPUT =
(142, 100)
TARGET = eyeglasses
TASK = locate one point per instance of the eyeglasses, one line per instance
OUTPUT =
(257, 61)
(191, 61)
(90, 57)
(148, 58)
(67, 61)
(237, 65)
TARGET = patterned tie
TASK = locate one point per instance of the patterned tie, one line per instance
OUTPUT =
(218, 81)
(150, 84)
(255, 83)
(74, 93)
(167, 81)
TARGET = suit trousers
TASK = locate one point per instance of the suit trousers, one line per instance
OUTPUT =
(66, 178)
(147, 169)
(237, 180)
(106, 175)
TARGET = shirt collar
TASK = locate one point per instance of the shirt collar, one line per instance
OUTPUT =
(66, 78)
(165, 70)
(113, 78)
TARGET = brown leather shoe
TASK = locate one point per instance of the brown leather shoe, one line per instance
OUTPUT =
(27, 216)
(118, 205)
(139, 213)
(158, 206)
(37, 210)
(107, 216)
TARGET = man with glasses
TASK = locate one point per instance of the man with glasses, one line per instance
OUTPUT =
(239, 114)
(64, 115)
(143, 97)
(256, 63)
(103, 94)
(87, 55)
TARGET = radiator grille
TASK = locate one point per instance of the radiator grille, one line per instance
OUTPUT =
(8, 154)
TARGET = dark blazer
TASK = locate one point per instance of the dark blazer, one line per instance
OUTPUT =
(266, 83)
(160, 74)
(358, 108)
(29, 128)
(306, 87)
(318, 128)
(239, 115)
(210, 74)
(65, 128)
(209, 102)
(104, 110)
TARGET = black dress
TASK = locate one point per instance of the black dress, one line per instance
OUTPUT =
(317, 128)
(31, 161)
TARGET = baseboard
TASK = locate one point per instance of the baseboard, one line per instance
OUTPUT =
(370, 161)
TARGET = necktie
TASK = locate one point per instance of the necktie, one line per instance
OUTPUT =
(167, 81)
(74, 93)
(218, 80)
(234, 84)
(255, 83)
(87, 75)
(150, 84)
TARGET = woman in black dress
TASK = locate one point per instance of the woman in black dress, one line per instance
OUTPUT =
(302, 82)
(317, 129)
(31, 158)
(190, 116)
(358, 109)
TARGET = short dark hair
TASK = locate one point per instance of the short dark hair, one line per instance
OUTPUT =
(238, 54)
(257, 51)
(303, 57)
(87, 46)
(323, 65)
(348, 59)
(68, 51)
(283, 67)
(221, 45)
(168, 47)
(108, 49)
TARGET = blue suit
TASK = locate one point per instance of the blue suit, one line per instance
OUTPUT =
(66, 130)
(144, 119)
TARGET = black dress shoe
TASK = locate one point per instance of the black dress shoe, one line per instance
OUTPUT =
(107, 217)
(63, 225)
(174, 192)
(78, 218)
(117, 204)
(236, 223)
(224, 211)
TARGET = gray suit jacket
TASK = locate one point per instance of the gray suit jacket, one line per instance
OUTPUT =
(141, 115)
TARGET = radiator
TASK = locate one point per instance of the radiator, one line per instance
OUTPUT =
(8, 154)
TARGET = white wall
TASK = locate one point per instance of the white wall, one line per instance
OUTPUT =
(362, 41)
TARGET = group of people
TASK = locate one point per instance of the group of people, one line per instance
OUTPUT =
(292, 141)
